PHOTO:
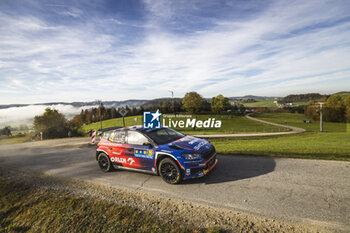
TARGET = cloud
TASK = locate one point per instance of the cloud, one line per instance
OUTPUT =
(234, 48)
(25, 115)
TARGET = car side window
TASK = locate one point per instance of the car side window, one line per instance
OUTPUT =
(136, 138)
(106, 135)
(118, 137)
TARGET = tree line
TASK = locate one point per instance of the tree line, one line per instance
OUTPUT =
(53, 124)
(303, 98)
(336, 109)
(191, 103)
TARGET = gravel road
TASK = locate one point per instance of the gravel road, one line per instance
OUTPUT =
(304, 191)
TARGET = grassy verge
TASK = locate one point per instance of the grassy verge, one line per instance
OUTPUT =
(14, 139)
(24, 208)
(330, 146)
(333, 144)
(235, 124)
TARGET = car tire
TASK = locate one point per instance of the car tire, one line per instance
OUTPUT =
(104, 162)
(170, 171)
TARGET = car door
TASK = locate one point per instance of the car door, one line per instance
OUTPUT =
(140, 151)
(118, 149)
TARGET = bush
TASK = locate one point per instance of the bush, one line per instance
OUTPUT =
(335, 109)
(52, 124)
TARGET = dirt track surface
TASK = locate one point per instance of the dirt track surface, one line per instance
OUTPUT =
(303, 191)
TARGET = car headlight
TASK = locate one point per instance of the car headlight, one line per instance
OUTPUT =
(191, 156)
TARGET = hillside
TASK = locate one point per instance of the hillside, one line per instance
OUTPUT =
(343, 94)
(302, 98)
(253, 97)
(158, 102)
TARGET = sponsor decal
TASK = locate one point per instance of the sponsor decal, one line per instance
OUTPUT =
(194, 140)
(188, 172)
(106, 144)
(129, 161)
(151, 120)
(148, 154)
(111, 137)
(200, 145)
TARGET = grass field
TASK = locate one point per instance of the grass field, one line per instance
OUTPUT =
(236, 124)
(333, 144)
(14, 139)
(269, 103)
(262, 103)
(294, 119)
(25, 209)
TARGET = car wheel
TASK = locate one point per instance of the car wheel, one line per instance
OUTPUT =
(104, 162)
(170, 171)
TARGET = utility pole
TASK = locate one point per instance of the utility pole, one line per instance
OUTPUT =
(321, 117)
(172, 97)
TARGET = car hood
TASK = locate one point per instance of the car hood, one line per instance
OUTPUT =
(191, 143)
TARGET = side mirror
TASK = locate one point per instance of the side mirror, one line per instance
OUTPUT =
(147, 144)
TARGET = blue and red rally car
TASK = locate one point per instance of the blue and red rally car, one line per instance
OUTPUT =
(164, 151)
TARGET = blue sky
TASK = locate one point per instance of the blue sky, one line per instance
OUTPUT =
(117, 50)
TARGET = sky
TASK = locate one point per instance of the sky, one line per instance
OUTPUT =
(126, 49)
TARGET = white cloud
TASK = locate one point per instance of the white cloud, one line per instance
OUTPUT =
(25, 115)
(41, 61)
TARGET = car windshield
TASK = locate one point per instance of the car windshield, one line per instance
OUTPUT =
(164, 136)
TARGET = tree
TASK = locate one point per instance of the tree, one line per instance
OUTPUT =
(335, 109)
(347, 109)
(220, 104)
(52, 124)
(6, 131)
(78, 120)
(312, 111)
(192, 102)
(206, 106)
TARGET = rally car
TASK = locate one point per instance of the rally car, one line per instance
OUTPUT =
(164, 151)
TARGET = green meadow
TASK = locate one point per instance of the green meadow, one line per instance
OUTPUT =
(332, 144)
(269, 103)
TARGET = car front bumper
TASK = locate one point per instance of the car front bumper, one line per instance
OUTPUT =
(196, 172)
